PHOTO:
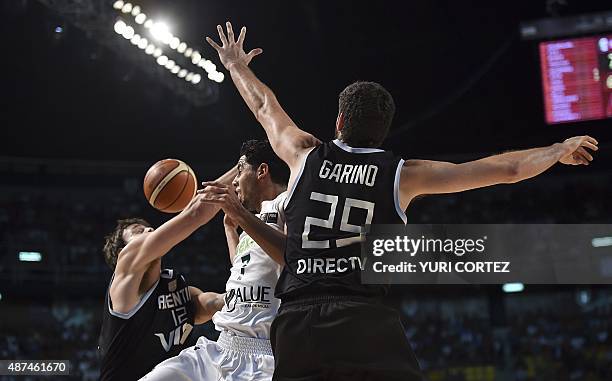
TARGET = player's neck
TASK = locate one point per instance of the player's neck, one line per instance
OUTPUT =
(271, 192)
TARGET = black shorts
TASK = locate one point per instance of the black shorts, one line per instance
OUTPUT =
(341, 338)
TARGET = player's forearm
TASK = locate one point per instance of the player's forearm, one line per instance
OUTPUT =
(531, 162)
(206, 305)
(232, 239)
(254, 92)
(271, 240)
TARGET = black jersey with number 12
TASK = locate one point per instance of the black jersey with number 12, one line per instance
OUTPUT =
(159, 327)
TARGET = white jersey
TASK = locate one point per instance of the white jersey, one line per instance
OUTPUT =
(250, 305)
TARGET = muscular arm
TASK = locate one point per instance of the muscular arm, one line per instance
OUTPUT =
(159, 242)
(205, 303)
(288, 141)
(433, 177)
(271, 240)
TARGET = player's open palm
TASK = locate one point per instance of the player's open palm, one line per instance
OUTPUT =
(232, 51)
(577, 150)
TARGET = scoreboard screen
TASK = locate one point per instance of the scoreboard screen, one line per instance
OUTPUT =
(577, 79)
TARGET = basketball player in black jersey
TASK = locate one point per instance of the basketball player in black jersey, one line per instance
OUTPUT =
(149, 312)
(330, 326)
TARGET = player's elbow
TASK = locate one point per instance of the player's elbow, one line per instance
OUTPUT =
(264, 106)
(511, 172)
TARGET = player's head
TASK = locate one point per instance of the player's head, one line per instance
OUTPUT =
(364, 116)
(260, 173)
(125, 231)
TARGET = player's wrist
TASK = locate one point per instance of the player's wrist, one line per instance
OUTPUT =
(562, 150)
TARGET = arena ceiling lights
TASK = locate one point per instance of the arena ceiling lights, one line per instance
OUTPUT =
(162, 38)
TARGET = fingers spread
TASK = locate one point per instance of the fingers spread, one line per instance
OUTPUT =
(213, 43)
(241, 36)
(222, 35)
(255, 52)
(230, 31)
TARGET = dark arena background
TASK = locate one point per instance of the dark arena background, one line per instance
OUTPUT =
(87, 108)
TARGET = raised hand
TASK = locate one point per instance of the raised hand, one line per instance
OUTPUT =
(577, 153)
(231, 51)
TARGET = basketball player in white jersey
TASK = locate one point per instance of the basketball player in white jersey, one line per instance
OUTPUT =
(331, 326)
(243, 350)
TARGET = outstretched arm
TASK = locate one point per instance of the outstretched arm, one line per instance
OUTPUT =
(432, 177)
(205, 303)
(288, 141)
(159, 242)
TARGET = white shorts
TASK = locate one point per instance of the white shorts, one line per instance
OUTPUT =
(231, 358)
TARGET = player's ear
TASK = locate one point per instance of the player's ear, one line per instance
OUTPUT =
(262, 171)
(340, 122)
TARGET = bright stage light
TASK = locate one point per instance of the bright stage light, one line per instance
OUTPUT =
(119, 27)
(182, 73)
(195, 57)
(189, 77)
(601, 242)
(140, 18)
(157, 52)
(188, 52)
(127, 8)
(30, 256)
(150, 49)
(118, 4)
(169, 64)
(175, 42)
(135, 39)
(513, 287)
(159, 31)
(143, 43)
(128, 33)
(196, 79)
(162, 60)
(181, 48)
(148, 24)
(175, 69)
(135, 10)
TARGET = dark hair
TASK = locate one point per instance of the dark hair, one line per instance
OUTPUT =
(257, 152)
(114, 241)
(368, 110)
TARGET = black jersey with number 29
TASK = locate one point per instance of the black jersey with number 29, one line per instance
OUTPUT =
(339, 190)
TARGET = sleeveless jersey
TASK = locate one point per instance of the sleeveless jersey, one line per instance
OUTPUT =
(157, 328)
(339, 189)
(250, 305)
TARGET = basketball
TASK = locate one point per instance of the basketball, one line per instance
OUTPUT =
(169, 185)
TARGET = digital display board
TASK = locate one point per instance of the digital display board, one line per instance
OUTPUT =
(577, 79)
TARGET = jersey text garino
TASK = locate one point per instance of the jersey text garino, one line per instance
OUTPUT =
(339, 190)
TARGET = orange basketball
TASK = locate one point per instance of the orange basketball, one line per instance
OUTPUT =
(169, 185)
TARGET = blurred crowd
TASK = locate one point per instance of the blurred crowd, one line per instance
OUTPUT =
(41, 319)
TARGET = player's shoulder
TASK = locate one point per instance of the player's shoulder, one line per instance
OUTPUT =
(274, 205)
